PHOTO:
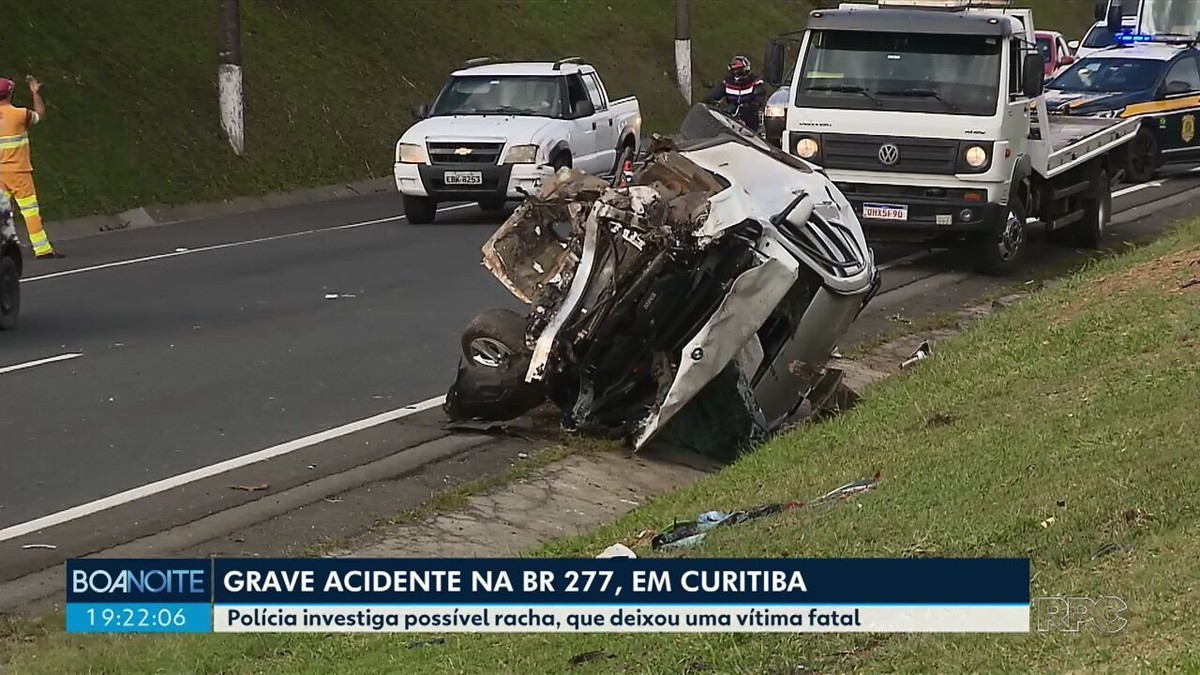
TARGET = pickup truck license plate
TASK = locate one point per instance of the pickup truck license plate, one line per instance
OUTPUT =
(885, 211)
(464, 178)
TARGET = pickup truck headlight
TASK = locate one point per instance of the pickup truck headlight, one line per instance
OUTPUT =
(410, 153)
(521, 154)
(976, 156)
(775, 111)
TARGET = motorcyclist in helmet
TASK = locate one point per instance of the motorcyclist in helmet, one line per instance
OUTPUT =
(742, 92)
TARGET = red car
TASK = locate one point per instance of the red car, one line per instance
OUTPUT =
(1056, 55)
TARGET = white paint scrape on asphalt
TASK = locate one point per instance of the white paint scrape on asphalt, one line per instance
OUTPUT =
(156, 487)
(39, 362)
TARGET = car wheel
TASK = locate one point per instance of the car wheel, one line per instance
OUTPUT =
(1001, 249)
(10, 293)
(1143, 158)
(419, 210)
(1089, 232)
(494, 339)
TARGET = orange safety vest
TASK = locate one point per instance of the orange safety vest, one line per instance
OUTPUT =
(14, 138)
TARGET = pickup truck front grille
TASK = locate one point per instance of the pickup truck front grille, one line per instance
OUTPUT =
(467, 152)
(917, 155)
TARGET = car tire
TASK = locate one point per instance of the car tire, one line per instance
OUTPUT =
(10, 293)
(1142, 157)
(495, 339)
(562, 160)
(1089, 232)
(1001, 249)
(419, 210)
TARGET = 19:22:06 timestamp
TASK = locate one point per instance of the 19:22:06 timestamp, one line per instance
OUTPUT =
(137, 617)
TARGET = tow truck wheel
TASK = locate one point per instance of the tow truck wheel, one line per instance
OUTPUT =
(10, 293)
(419, 210)
(1143, 157)
(1089, 232)
(1000, 249)
(494, 338)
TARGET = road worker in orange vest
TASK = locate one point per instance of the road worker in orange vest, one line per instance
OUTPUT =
(16, 169)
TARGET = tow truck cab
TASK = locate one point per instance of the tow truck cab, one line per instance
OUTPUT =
(919, 111)
(918, 115)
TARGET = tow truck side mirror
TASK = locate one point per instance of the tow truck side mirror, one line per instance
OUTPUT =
(1033, 77)
(773, 63)
(1100, 11)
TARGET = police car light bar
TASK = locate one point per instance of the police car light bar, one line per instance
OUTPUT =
(1129, 38)
(946, 4)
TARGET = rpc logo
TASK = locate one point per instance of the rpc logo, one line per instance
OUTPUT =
(1059, 614)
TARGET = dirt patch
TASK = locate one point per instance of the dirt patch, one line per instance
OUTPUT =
(1176, 273)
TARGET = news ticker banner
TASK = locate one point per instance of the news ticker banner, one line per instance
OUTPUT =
(496, 595)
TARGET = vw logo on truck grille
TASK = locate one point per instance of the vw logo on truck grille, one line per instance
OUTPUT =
(889, 154)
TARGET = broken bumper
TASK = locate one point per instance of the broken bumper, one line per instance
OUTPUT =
(469, 182)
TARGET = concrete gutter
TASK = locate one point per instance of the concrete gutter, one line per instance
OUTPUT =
(163, 214)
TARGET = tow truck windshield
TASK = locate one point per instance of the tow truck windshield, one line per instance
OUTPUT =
(490, 95)
(953, 74)
(1109, 75)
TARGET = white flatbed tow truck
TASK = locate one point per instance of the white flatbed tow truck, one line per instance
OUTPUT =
(929, 116)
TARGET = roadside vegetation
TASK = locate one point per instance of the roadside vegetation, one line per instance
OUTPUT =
(131, 86)
(1062, 429)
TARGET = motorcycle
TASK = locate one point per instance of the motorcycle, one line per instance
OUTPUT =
(696, 306)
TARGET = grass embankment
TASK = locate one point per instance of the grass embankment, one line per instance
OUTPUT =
(1063, 429)
(131, 94)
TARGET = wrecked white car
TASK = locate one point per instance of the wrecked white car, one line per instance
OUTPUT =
(697, 304)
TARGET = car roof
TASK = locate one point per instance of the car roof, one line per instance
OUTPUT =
(532, 68)
(1150, 51)
(1047, 33)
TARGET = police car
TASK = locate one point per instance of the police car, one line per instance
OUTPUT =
(1154, 79)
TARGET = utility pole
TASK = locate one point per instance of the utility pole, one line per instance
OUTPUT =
(683, 48)
(229, 74)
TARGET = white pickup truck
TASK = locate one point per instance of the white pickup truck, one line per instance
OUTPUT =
(496, 130)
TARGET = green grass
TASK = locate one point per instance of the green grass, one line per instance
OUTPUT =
(1079, 403)
(130, 87)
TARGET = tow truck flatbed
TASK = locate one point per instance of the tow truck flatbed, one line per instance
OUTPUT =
(1076, 141)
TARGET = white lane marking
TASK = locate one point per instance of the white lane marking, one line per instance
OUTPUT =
(231, 244)
(39, 362)
(1136, 188)
(165, 484)
(907, 259)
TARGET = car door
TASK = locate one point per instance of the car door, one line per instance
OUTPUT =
(583, 125)
(606, 132)
(1179, 95)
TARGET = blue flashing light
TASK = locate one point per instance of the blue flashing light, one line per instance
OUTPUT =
(1128, 38)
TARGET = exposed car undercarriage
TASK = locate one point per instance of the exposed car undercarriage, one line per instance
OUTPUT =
(698, 304)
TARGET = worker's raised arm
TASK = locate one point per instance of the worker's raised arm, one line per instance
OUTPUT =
(39, 108)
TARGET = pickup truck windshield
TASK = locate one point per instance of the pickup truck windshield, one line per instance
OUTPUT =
(952, 74)
(1109, 75)
(1099, 36)
(490, 95)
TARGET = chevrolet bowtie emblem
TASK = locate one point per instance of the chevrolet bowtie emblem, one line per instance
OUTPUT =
(462, 151)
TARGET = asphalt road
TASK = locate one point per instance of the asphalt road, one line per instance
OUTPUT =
(189, 344)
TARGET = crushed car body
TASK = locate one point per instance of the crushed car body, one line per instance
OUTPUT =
(698, 304)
